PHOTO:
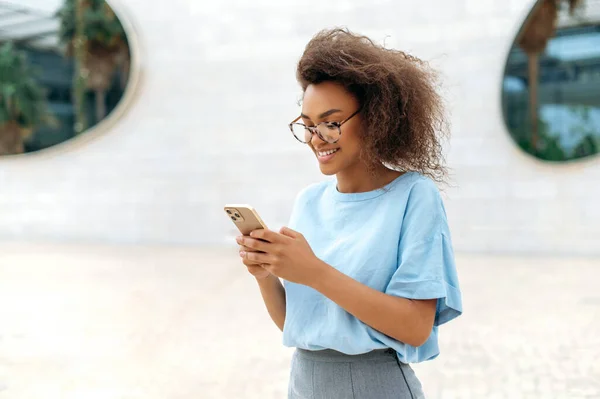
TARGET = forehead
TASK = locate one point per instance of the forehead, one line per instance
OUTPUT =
(324, 96)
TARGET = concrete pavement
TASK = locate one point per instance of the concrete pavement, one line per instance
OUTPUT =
(102, 322)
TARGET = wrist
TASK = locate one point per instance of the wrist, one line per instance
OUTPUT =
(266, 279)
(321, 275)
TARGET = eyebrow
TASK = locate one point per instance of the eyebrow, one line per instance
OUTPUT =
(324, 114)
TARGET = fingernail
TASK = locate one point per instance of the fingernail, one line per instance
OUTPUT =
(239, 240)
(242, 253)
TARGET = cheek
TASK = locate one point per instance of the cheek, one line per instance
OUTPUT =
(350, 142)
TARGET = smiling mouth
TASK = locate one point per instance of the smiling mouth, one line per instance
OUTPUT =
(326, 153)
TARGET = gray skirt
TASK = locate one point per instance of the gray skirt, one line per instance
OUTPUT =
(328, 374)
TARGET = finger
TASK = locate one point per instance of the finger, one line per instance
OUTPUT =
(268, 235)
(254, 268)
(247, 249)
(254, 244)
(245, 243)
(255, 257)
(250, 263)
(286, 231)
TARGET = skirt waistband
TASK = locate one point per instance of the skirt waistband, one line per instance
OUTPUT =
(330, 355)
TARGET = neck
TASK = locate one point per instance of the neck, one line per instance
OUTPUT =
(361, 179)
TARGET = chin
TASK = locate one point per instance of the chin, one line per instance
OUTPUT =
(328, 171)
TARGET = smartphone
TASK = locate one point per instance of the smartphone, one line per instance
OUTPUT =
(245, 218)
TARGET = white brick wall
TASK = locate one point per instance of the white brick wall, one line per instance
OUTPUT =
(208, 126)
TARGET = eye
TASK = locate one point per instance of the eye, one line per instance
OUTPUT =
(305, 122)
(331, 125)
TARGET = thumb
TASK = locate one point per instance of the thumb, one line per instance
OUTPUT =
(286, 231)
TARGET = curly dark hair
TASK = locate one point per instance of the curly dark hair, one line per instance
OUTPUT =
(402, 112)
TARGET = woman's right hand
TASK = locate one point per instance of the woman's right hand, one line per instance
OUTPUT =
(254, 269)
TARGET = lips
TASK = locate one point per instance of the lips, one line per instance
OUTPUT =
(323, 153)
(325, 156)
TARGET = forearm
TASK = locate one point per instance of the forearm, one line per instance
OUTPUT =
(403, 319)
(273, 295)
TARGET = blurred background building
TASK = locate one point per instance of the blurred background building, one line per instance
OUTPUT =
(138, 128)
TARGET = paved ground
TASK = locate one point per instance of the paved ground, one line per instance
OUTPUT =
(164, 323)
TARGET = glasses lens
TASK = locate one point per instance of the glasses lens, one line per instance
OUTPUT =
(329, 131)
(301, 132)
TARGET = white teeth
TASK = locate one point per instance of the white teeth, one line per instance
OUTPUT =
(324, 153)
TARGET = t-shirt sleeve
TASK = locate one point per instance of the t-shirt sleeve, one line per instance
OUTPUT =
(297, 209)
(426, 265)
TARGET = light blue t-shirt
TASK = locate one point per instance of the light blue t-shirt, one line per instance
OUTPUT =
(395, 240)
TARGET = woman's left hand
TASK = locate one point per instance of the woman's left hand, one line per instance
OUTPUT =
(286, 254)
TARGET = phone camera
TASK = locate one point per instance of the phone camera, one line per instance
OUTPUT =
(237, 216)
(228, 211)
(234, 219)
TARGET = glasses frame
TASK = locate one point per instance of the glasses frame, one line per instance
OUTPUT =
(315, 129)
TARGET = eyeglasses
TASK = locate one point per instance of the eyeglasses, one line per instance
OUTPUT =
(329, 132)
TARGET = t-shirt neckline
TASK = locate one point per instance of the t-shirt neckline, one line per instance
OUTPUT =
(366, 195)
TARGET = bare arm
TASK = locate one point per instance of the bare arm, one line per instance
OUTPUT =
(271, 288)
(406, 320)
(291, 258)
(273, 295)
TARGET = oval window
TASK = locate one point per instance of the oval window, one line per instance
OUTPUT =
(63, 69)
(551, 86)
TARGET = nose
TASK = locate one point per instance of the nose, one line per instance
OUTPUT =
(316, 141)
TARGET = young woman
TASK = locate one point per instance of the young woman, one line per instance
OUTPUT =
(367, 261)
